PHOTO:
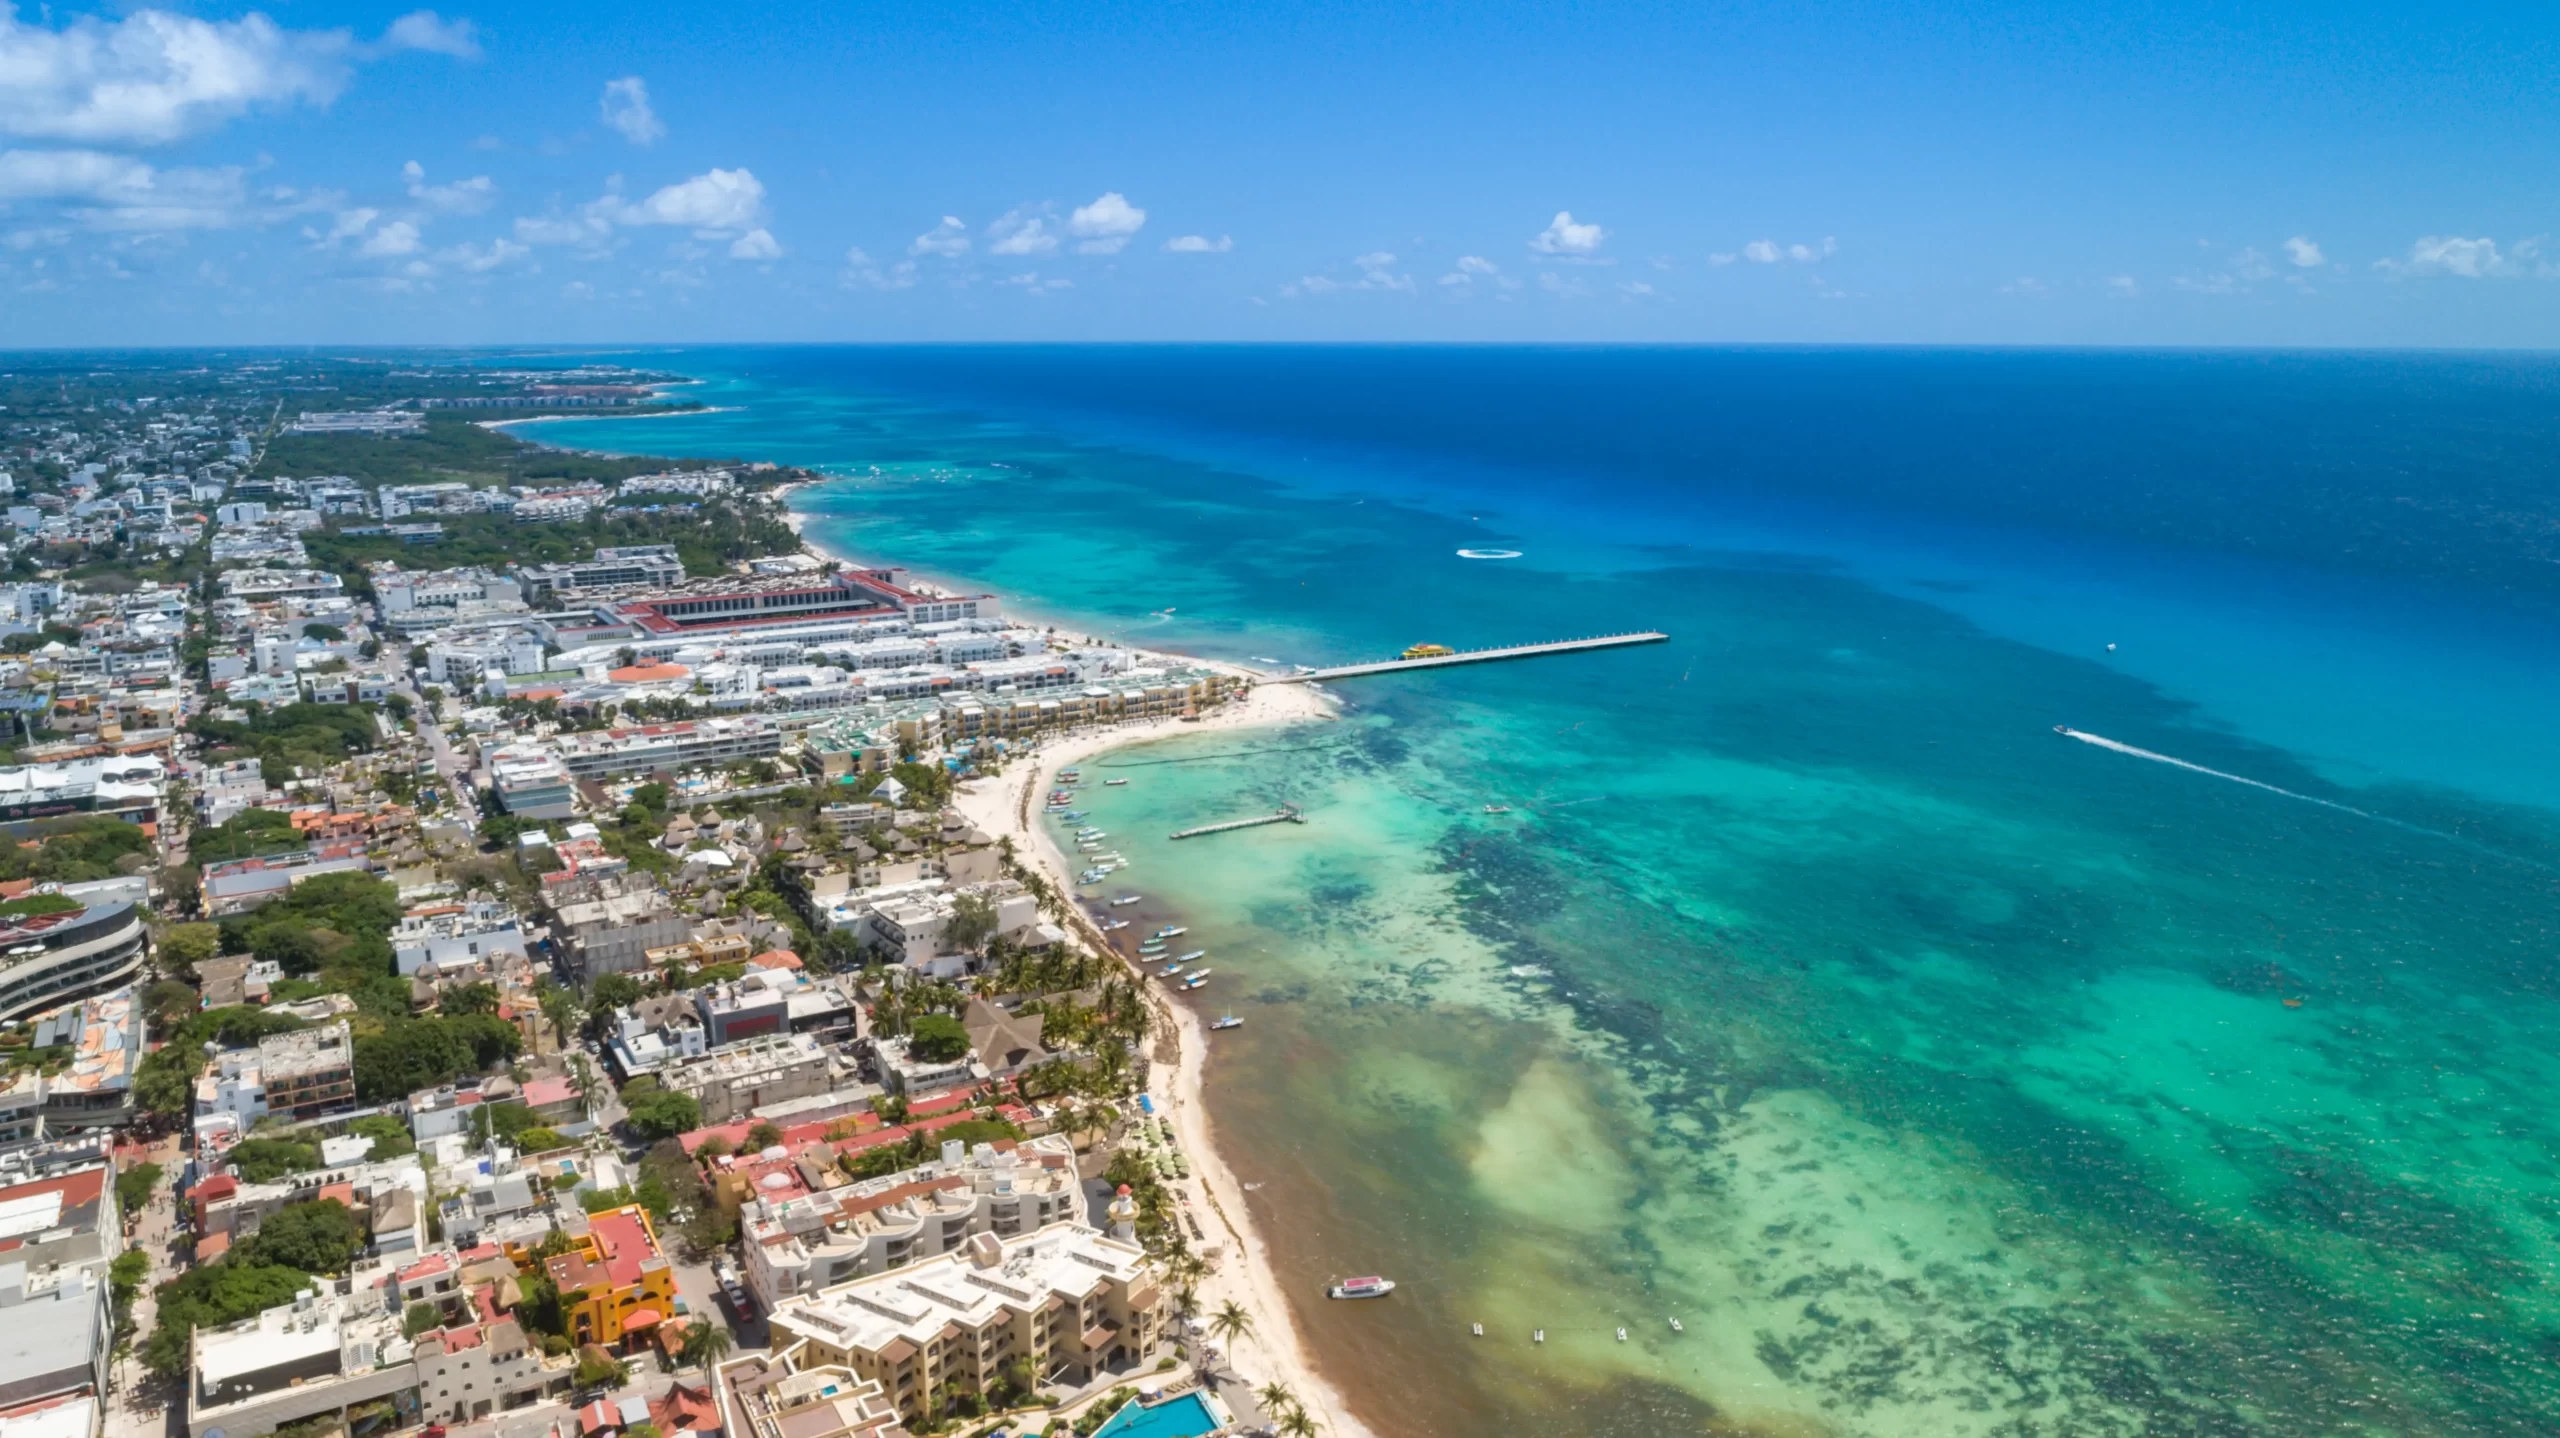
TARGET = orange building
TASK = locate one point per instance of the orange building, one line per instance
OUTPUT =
(615, 1286)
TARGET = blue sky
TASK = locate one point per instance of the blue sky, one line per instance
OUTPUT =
(1892, 172)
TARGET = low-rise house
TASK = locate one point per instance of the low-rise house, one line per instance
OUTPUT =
(455, 934)
(733, 1081)
(615, 1285)
(336, 1345)
(901, 1072)
(297, 1074)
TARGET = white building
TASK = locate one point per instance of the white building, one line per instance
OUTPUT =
(455, 935)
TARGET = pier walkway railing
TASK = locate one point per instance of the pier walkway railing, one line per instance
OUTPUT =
(1472, 656)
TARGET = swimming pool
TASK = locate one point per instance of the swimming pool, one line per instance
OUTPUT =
(1185, 1417)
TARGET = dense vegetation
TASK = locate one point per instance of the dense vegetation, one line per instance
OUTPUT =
(73, 851)
(706, 539)
(290, 736)
(263, 1271)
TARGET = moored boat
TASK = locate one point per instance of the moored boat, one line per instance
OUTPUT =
(1229, 1022)
(1362, 1288)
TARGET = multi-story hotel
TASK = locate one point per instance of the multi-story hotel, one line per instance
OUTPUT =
(1064, 1296)
(799, 1241)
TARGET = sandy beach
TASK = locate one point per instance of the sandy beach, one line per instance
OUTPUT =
(1002, 807)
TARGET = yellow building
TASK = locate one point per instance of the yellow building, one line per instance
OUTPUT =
(615, 1286)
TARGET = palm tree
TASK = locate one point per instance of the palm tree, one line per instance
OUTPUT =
(1295, 1424)
(1275, 1398)
(1231, 1322)
(707, 1344)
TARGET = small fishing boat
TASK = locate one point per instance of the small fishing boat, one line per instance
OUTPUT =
(1540, 1336)
(1195, 956)
(1675, 1326)
(1109, 783)
(1497, 808)
(1125, 899)
(1071, 774)
(1195, 981)
(2062, 729)
(1622, 1335)
(1479, 1329)
(1173, 931)
(1114, 925)
(1168, 971)
(1366, 1288)
(1229, 1022)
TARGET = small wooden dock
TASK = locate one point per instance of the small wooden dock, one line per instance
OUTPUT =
(1285, 814)
(1473, 656)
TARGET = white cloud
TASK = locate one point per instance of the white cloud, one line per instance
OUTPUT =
(483, 259)
(462, 197)
(861, 273)
(346, 226)
(1106, 224)
(1722, 258)
(757, 244)
(152, 76)
(554, 231)
(625, 107)
(2302, 251)
(1200, 245)
(1477, 265)
(1770, 252)
(1636, 289)
(1375, 260)
(1018, 232)
(2122, 287)
(1033, 284)
(1563, 237)
(118, 192)
(2027, 285)
(950, 239)
(2461, 258)
(397, 238)
(715, 200)
(428, 31)
(2252, 266)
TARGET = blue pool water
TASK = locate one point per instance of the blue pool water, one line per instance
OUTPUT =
(1185, 1417)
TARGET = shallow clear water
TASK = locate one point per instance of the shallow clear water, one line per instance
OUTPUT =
(1944, 1076)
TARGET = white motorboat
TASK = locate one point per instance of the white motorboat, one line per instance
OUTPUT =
(1229, 1022)
(1366, 1288)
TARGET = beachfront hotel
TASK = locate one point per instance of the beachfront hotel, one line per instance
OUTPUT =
(1063, 1300)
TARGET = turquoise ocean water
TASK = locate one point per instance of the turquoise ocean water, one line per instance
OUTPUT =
(1941, 1074)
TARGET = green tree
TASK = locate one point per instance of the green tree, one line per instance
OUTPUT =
(937, 1038)
(763, 1136)
(214, 1294)
(706, 1343)
(183, 946)
(390, 1136)
(663, 1114)
(264, 1160)
(135, 1186)
(468, 999)
(973, 923)
(420, 1318)
(316, 1237)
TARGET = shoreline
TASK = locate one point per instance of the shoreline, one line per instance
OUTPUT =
(1004, 807)
(1275, 1349)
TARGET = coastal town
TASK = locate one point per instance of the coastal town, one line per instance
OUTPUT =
(508, 942)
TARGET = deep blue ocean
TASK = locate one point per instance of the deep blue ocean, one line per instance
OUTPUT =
(1941, 1073)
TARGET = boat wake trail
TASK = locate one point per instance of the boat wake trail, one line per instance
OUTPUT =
(2119, 747)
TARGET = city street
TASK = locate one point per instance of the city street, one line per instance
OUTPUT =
(133, 1409)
